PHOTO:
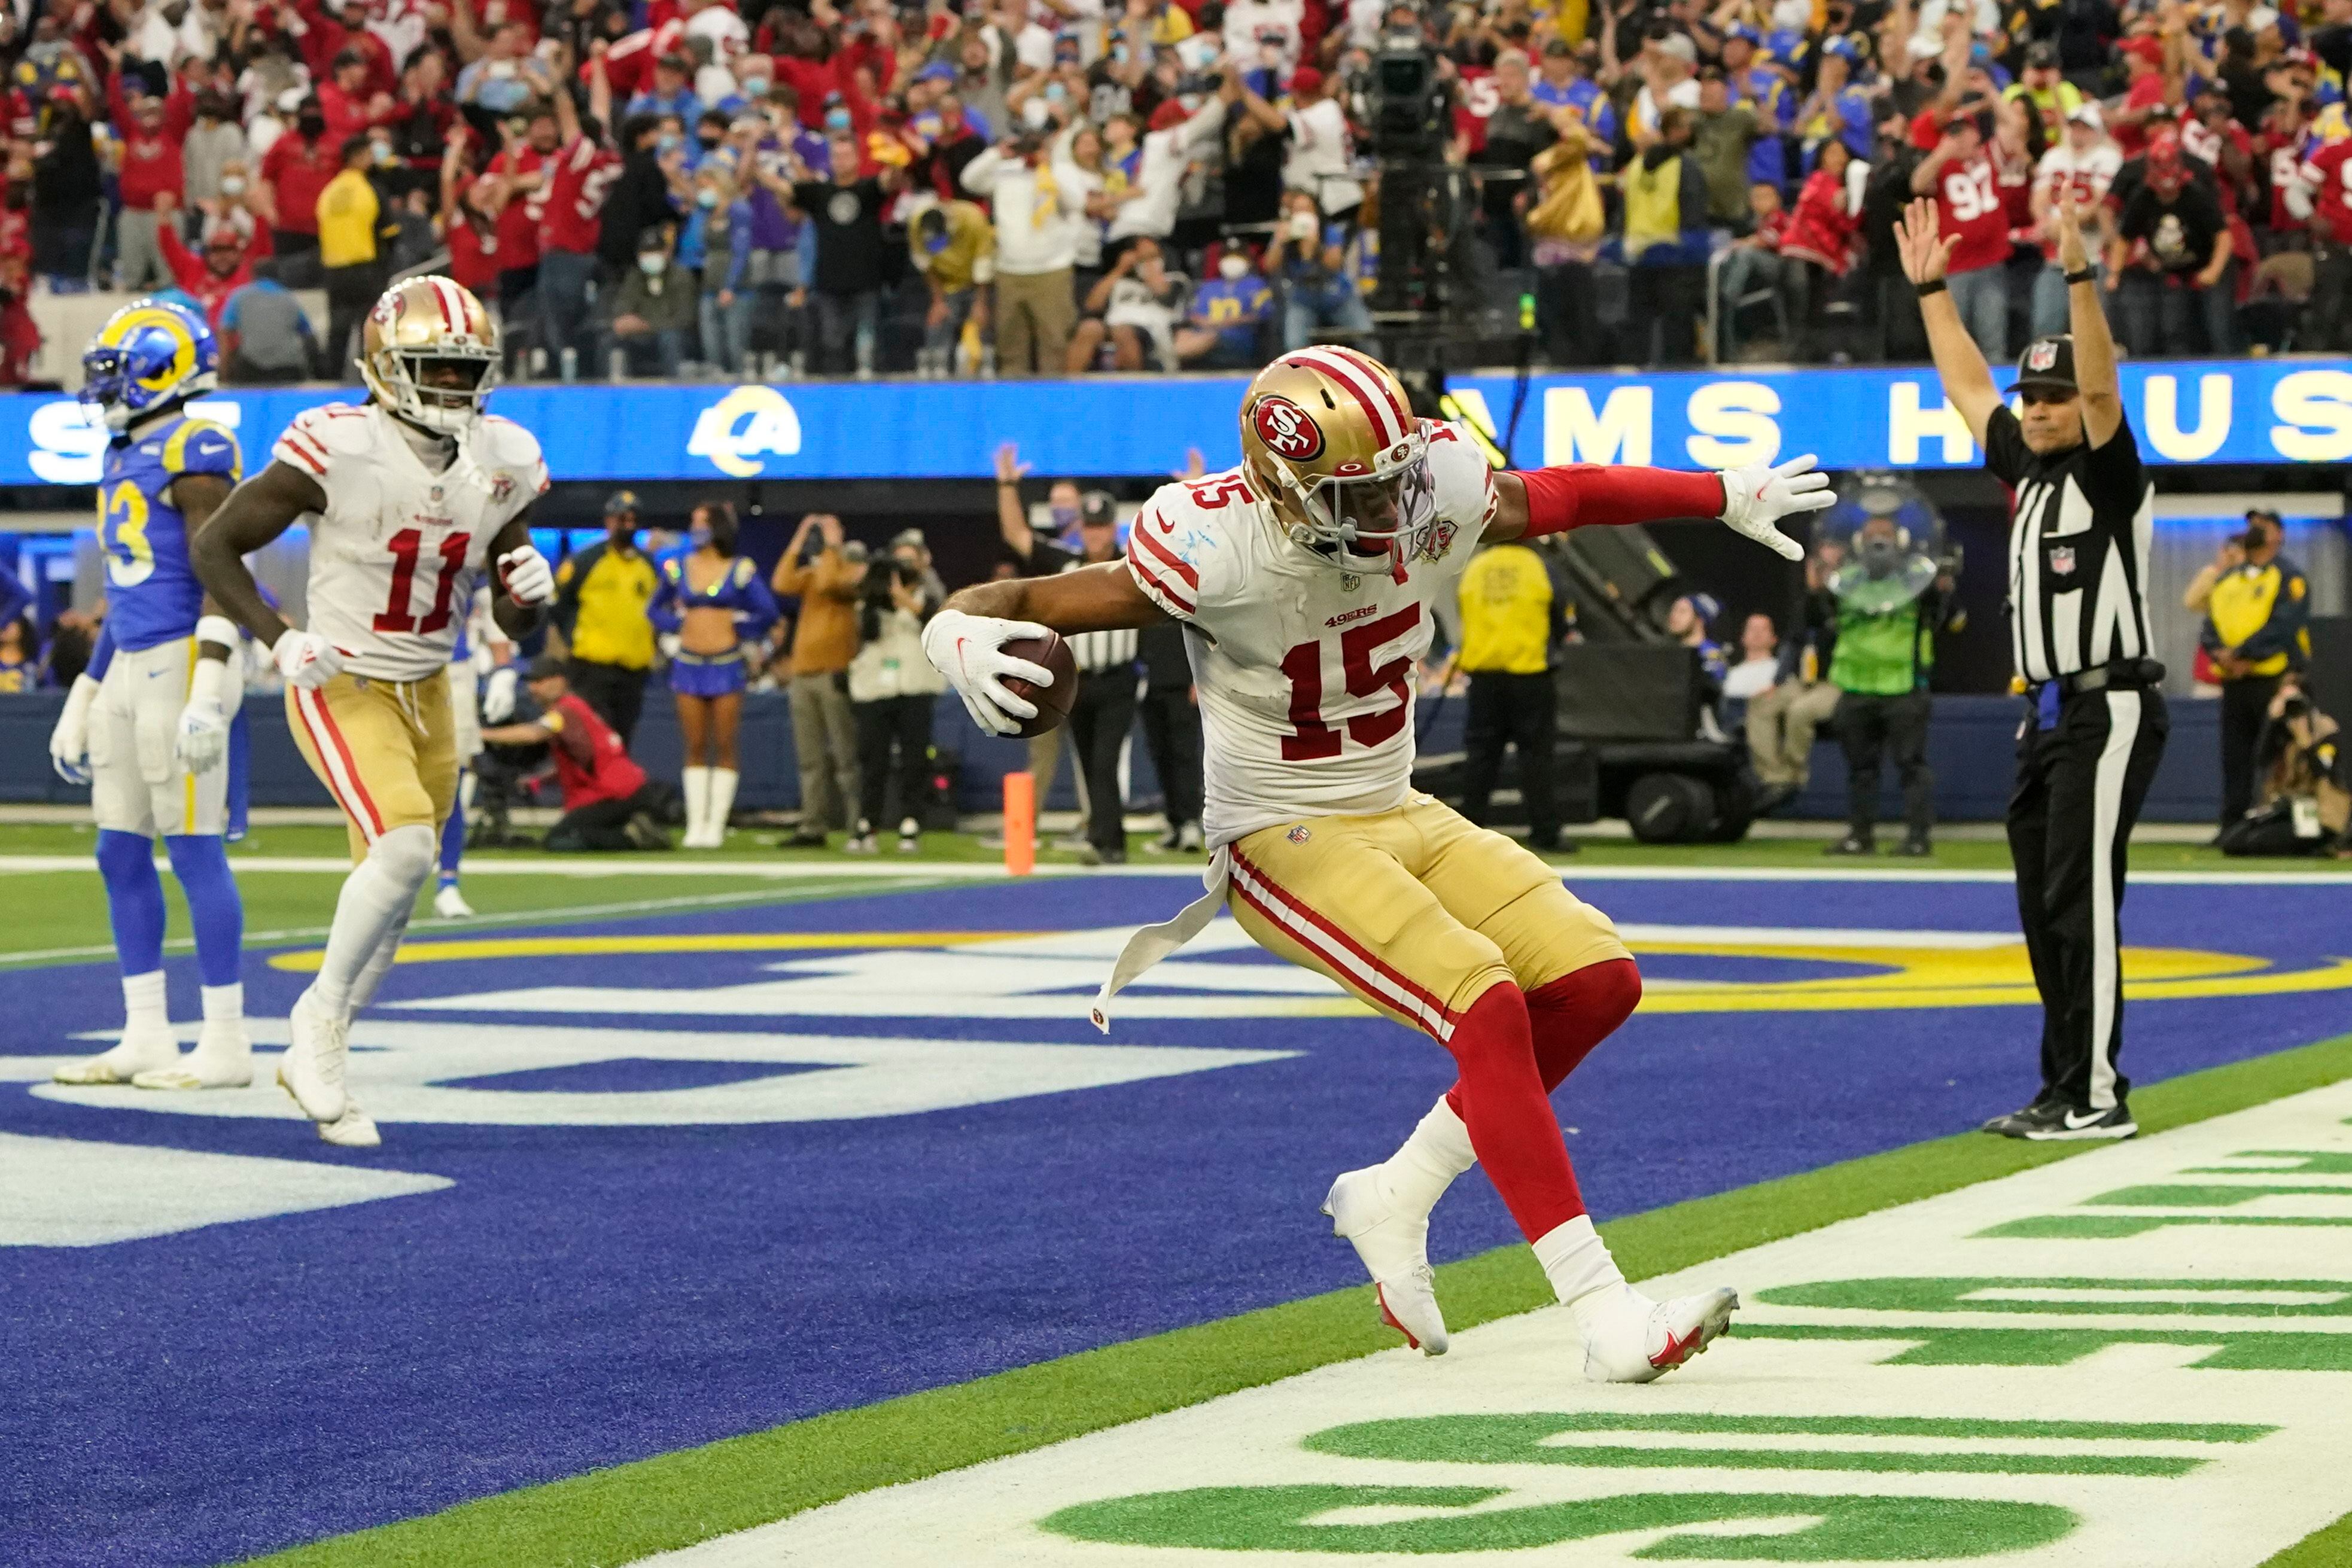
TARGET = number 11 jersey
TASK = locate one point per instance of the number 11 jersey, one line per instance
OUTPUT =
(1305, 674)
(393, 556)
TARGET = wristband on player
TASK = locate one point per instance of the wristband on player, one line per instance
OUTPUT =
(1933, 285)
(2088, 274)
(1586, 495)
(217, 629)
(204, 681)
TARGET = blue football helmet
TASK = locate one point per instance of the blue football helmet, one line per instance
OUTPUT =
(152, 353)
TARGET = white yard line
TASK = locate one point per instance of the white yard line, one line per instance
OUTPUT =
(1337, 1455)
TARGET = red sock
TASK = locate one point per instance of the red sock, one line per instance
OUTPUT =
(1501, 1099)
(1578, 1011)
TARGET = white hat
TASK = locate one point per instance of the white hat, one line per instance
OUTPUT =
(1679, 46)
(2087, 113)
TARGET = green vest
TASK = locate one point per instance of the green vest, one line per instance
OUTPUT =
(1882, 653)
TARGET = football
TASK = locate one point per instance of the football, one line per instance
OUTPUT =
(1053, 702)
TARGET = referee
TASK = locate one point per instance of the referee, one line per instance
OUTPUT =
(2081, 513)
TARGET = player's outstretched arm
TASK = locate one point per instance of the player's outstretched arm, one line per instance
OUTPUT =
(1751, 500)
(966, 639)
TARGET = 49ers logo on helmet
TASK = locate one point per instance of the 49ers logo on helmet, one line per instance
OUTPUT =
(1287, 430)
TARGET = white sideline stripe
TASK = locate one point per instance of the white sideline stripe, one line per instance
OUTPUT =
(1336, 954)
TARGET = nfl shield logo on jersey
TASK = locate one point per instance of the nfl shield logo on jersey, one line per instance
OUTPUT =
(1287, 430)
(2061, 560)
(1298, 835)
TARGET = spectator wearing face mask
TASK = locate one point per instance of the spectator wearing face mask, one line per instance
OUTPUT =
(1310, 258)
(652, 313)
(717, 246)
(215, 142)
(1134, 306)
(1224, 320)
(297, 169)
(1036, 223)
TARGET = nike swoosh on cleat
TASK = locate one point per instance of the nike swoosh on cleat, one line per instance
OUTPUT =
(1677, 1351)
(2089, 1121)
(1390, 1318)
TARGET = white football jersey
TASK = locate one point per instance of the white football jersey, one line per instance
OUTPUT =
(394, 555)
(1306, 674)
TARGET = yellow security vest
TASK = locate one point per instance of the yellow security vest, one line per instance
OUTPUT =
(1505, 613)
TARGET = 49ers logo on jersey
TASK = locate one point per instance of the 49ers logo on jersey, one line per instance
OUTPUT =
(1287, 430)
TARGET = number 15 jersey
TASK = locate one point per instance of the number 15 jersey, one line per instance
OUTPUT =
(1305, 674)
(393, 556)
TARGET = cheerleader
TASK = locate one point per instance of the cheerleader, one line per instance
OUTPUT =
(710, 604)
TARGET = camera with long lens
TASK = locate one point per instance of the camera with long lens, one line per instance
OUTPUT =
(1406, 106)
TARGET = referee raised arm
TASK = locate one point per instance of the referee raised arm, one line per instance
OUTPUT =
(2080, 510)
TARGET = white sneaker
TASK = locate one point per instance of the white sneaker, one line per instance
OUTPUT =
(450, 904)
(1394, 1247)
(143, 1052)
(313, 1068)
(223, 1060)
(1629, 1338)
(351, 1130)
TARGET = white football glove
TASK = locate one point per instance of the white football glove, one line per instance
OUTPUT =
(70, 741)
(305, 660)
(529, 580)
(969, 651)
(202, 738)
(1755, 499)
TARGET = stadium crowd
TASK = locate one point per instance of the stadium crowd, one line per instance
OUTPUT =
(1050, 186)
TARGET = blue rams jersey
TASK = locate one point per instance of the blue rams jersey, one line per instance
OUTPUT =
(152, 591)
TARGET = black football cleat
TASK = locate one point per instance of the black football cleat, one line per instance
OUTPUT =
(2056, 1122)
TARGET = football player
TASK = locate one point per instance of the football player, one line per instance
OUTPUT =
(408, 497)
(147, 726)
(1304, 580)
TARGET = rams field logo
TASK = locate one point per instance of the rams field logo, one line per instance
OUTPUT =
(1287, 430)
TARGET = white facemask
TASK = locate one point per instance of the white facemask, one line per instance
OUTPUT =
(653, 265)
(1233, 268)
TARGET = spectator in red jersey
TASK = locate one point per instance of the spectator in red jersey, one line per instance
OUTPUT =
(1959, 176)
(349, 108)
(2151, 84)
(607, 802)
(580, 174)
(295, 169)
(2171, 261)
(1819, 249)
(210, 278)
(1753, 262)
(2322, 195)
(147, 166)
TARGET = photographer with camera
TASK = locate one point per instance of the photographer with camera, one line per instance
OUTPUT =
(893, 690)
(2307, 789)
(2257, 607)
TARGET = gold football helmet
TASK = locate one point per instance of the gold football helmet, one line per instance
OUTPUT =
(1328, 433)
(430, 353)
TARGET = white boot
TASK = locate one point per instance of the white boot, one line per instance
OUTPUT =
(1383, 1211)
(723, 801)
(148, 1044)
(1629, 1338)
(694, 783)
(223, 1060)
(313, 1068)
(448, 904)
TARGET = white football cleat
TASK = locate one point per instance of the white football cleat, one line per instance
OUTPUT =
(142, 1052)
(352, 1130)
(313, 1068)
(223, 1060)
(450, 904)
(1629, 1338)
(1394, 1247)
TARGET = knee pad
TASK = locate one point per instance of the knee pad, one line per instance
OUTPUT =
(125, 858)
(406, 854)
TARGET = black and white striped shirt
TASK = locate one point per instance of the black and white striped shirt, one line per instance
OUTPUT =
(2079, 537)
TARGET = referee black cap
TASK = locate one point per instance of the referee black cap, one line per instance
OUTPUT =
(2048, 365)
(1098, 508)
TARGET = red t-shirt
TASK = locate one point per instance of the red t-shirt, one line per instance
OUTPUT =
(2327, 170)
(2145, 93)
(582, 172)
(470, 263)
(518, 219)
(1968, 203)
(297, 174)
(151, 164)
(591, 763)
(347, 113)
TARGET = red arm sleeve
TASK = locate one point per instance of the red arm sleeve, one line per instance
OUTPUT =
(1590, 495)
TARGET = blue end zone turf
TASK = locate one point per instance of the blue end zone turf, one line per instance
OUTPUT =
(586, 1294)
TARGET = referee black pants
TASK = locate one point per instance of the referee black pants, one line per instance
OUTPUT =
(1172, 727)
(2080, 785)
(2245, 708)
(1511, 710)
(1100, 717)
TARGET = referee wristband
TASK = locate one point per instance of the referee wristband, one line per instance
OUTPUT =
(1933, 285)
(2088, 274)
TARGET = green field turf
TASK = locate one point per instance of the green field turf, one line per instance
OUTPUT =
(631, 1511)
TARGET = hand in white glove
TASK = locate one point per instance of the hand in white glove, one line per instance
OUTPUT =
(528, 579)
(70, 741)
(969, 651)
(305, 660)
(202, 738)
(1755, 499)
